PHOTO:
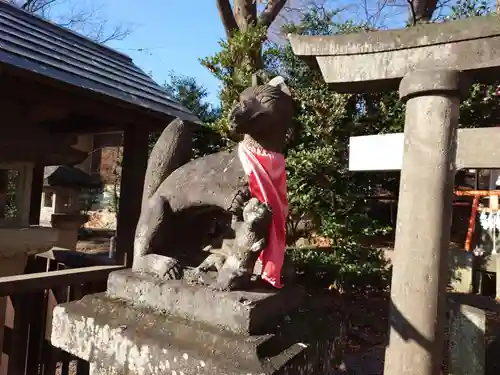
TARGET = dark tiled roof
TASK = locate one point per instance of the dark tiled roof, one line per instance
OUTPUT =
(65, 176)
(31, 43)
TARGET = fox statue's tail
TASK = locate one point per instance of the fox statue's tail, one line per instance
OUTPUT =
(173, 149)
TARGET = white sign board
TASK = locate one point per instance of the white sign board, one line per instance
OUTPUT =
(476, 148)
(376, 152)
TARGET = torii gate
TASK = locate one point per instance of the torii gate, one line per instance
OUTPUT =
(433, 65)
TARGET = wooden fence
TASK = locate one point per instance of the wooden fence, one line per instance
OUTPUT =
(29, 300)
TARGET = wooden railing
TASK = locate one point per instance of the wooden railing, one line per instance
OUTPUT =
(29, 300)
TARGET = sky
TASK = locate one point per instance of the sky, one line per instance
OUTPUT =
(170, 35)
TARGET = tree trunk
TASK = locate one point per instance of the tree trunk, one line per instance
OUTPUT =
(227, 17)
(421, 11)
(245, 13)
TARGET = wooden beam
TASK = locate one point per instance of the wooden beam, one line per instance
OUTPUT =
(34, 282)
(42, 154)
(23, 140)
(135, 158)
(476, 148)
(76, 259)
(78, 124)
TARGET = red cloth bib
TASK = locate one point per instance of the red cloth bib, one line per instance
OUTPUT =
(267, 181)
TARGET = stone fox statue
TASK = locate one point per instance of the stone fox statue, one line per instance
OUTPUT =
(178, 192)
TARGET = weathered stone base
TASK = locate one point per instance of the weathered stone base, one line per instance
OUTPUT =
(117, 338)
(241, 312)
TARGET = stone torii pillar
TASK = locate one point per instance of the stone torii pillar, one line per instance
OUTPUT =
(428, 63)
(418, 290)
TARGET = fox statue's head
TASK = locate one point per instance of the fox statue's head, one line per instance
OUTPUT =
(265, 113)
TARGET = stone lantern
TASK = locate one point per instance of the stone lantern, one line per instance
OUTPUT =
(62, 202)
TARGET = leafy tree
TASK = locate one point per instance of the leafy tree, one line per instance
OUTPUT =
(319, 182)
(233, 66)
(193, 96)
(482, 107)
(243, 16)
(246, 23)
(469, 8)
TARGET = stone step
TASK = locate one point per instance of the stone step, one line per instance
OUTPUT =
(118, 338)
(241, 312)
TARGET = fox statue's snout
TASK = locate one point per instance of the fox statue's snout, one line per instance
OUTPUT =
(243, 114)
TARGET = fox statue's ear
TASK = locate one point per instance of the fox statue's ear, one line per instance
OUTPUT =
(279, 82)
(255, 80)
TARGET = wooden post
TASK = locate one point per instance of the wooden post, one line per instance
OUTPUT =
(4, 182)
(23, 193)
(135, 157)
(36, 195)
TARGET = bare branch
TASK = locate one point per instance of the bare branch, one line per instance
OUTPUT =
(82, 19)
(413, 15)
(375, 17)
(227, 17)
(118, 33)
(76, 19)
(270, 12)
(33, 6)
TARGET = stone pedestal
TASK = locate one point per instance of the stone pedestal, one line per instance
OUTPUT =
(67, 226)
(460, 270)
(144, 325)
(467, 340)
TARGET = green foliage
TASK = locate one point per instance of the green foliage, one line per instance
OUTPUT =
(11, 203)
(90, 197)
(193, 96)
(319, 183)
(360, 268)
(234, 65)
(470, 8)
(482, 107)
